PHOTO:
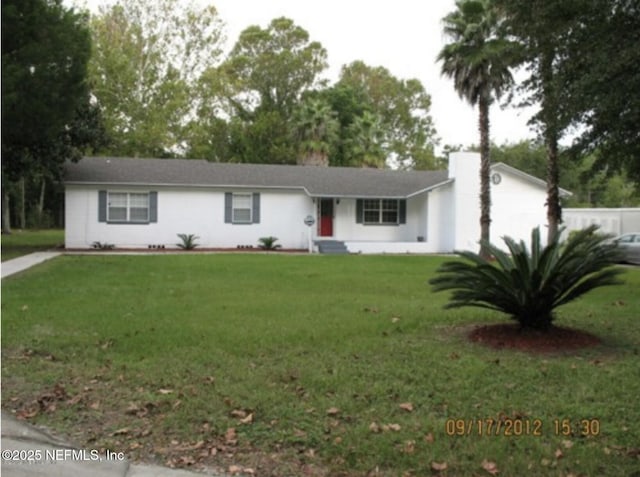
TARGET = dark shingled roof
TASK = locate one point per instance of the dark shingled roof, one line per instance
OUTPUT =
(315, 180)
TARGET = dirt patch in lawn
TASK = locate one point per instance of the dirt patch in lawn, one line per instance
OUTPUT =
(512, 336)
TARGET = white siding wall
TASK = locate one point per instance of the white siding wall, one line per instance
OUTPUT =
(346, 228)
(465, 168)
(517, 207)
(190, 211)
(441, 219)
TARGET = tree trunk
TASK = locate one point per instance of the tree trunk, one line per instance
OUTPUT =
(551, 126)
(40, 210)
(554, 211)
(485, 185)
(22, 216)
(6, 214)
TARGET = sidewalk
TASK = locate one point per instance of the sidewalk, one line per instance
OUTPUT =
(19, 264)
(30, 452)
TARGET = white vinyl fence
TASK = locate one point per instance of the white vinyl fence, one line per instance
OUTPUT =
(611, 221)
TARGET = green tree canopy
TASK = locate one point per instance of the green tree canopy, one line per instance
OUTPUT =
(602, 74)
(45, 49)
(409, 136)
(315, 129)
(269, 69)
(147, 58)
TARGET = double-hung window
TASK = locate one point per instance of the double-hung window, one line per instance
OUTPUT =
(242, 208)
(128, 207)
(380, 211)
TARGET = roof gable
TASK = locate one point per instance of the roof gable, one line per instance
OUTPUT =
(314, 180)
(502, 167)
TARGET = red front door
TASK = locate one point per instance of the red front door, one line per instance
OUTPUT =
(325, 224)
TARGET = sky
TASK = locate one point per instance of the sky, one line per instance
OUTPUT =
(403, 36)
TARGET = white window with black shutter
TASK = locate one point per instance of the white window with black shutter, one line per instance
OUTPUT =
(381, 211)
(120, 207)
(242, 208)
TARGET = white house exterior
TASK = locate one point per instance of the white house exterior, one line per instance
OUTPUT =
(145, 203)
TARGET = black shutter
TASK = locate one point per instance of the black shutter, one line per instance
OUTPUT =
(402, 211)
(153, 206)
(359, 209)
(102, 206)
(256, 208)
(228, 207)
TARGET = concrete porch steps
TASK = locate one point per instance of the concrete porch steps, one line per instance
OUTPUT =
(331, 247)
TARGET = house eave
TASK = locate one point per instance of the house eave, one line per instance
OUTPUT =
(183, 186)
(528, 177)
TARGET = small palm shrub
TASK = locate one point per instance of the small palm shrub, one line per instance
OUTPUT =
(527, 284)
(268, 243)
(188, 241)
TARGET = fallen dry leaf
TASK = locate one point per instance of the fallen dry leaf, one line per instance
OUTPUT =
(247, 420)
(374, 427)
(120, 432)
(235, 469)
(333, 411)
(489, 466)
(239, 413)
(406, 406)
(230, 436)
(559, 454)
(567, 444)
(409, 447)
(438, 466)
(394, 427)
(165, 391)
(429, 438)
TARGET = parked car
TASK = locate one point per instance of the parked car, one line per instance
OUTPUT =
(630, 246)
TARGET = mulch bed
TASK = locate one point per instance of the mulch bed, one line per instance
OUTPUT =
(512, 336)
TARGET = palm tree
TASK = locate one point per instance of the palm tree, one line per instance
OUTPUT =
(365, 141)
(316, 130)
(478, 59)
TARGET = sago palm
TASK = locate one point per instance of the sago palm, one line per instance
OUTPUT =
(478, 59)
(529, 285)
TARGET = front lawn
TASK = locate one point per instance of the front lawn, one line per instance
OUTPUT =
(311, 365)
(23, 242)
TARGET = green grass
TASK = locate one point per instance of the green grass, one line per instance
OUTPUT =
(167, 347)
(23, 242)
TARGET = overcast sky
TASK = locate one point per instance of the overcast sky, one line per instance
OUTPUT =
(404, 36)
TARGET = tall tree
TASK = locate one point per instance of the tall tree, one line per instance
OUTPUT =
(403, 108)
(269, 69)
(365, 139)
(147, 58)
(348, 104)
(45, 49)
(316, 130)
(546, 31)
(478, 59)
(262, 81)
(601, 68)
